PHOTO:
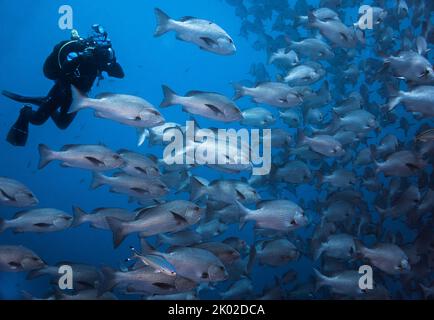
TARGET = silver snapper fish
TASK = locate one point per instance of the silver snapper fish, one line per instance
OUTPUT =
(196, 264)
(401, 164)
(305, 74)
(340, 246)
(411, 66)
(144, 280)
(292, 117)
(18, 259)
(338, 211)
(419, 100)
(276, 252)
(38, 221)
(129, 110)
(168, 217)
(387, 257)
(139, 165)
(276, 94)
(206, 104)
(312, 48)
(323, 144)
(136, 188)
(284, 57)
(227, 191)
(14, 194)
(293, 172)
(345, 283)
(85, 276)
(212, 228)
(335, 31)
(205, 34)
(155, 135)
(257, 117)
(279, 215)
(98, 218)
(90, 157)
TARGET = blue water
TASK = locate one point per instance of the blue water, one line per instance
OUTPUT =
(28, 32)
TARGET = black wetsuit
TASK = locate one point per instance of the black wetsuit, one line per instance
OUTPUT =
(76, 62)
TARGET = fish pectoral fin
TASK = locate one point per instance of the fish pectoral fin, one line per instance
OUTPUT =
(412, 167)
(343, 36)
(140, 190)
(7, 196)
(214, 108)
(14, 265)
(95, 161)
(163, 286)
(239, 194)
(179, 219)
(42, 225)
(209, 42)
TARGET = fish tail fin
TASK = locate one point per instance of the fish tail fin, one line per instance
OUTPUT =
(198, 189)
(117, 227)
(244, 214)
(393, 103)
(239, 91)
(78, 100)
(108, 280)
(321, 280)
(163, 23)
(98, 180)
(142, 135)
(79, 216)
(169, 97)
(45, 156)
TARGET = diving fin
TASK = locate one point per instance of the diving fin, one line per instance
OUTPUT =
(38, 101)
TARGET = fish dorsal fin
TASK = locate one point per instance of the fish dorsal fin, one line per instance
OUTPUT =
(194, 93)
(187, 18)
(179, 219)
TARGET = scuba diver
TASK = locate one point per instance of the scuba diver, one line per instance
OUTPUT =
(78, 62)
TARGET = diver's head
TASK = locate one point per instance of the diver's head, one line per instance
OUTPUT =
(99, 31)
